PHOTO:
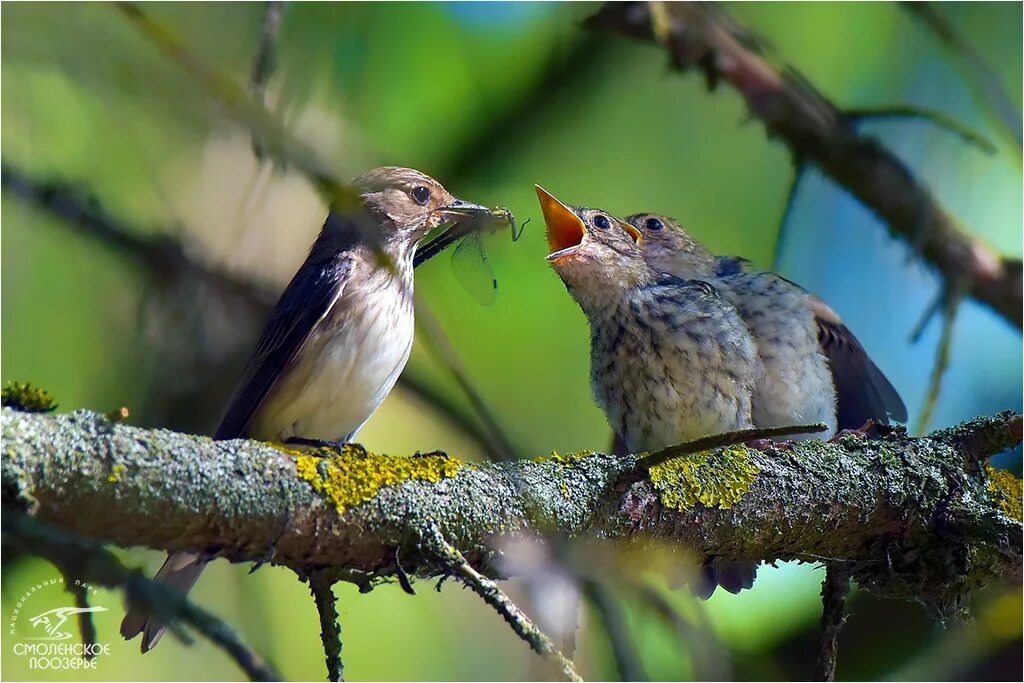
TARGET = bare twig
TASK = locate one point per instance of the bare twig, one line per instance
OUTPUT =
(834, 590)
(266, 60)
(499, 445)
(787, 213)
(266, 57)
(93, 563)
(708, 660)
(701, 36)
(721, 440)
(990, 89)
(86, 627)
(627, 660)
(321, 586)
(453, 560)
(951, 298)
(272, 137)
(943, 121)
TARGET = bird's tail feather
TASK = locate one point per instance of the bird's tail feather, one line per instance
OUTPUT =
(732, 576)
(179, 571)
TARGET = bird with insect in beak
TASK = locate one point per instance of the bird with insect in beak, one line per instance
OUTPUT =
(815, 369)
(338, 338)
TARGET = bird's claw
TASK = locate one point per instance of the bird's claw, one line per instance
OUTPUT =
(871, 428)
(337, 446)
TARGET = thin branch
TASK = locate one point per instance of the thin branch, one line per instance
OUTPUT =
(834, 590)
(701, 36)
(86, 626)
(272, 137)
(951, 299)
(627, 659)
(942, 121)
(992, 93)
(266, 57)
(787, 214)
(499, 447)
(705, 443)
(266, 60)
(708, 660)
(930, 311)
(453, 561)
(321, 586)
(95, 564)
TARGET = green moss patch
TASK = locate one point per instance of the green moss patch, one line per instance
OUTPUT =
(718, 478)
(355, 476)
(27, 398)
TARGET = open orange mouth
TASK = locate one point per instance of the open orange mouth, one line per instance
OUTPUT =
(565, 228)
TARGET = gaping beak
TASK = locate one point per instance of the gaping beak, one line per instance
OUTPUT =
(631, 231)
(459, 212)
(565, 228)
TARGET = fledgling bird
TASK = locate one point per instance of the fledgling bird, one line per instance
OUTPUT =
(815, 369)
(337, 340)
(671, 360)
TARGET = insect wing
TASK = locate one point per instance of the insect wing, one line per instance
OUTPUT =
(473, 270)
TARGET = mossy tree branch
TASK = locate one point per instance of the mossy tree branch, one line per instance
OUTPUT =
(921, 519)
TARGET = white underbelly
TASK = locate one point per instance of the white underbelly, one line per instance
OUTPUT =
(342, 374)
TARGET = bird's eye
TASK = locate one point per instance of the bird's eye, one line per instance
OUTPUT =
(653, 224)
(421, 195)
(601, 222)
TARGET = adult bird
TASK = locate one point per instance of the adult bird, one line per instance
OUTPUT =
(815, 369)
(337, 340)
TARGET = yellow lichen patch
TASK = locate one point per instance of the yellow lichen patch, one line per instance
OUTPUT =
(356, 476)
(1007, 489)
(116, 472)
(567, 460)
(710, 478)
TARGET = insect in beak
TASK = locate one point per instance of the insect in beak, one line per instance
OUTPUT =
(462, 213)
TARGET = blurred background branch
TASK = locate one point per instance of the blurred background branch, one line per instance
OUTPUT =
(990, 91)
(816, 131)
(92, 563)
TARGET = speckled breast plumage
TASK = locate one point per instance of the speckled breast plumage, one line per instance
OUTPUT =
(672, 362)
(796, 386)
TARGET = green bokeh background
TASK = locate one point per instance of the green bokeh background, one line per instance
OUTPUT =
(491, 98)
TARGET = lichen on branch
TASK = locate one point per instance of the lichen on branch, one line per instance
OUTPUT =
(913, 518)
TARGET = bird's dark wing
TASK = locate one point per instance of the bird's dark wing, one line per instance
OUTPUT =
(669, 280)
(307, 299)
(862, 391)
(731, 265)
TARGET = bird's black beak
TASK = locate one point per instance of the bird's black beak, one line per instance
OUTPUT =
(462, 214)
(459, 210)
